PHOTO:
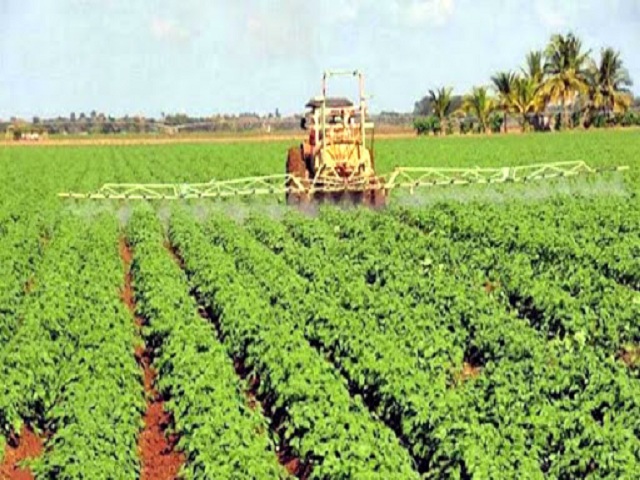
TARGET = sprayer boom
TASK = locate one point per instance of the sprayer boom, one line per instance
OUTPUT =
(401, 178)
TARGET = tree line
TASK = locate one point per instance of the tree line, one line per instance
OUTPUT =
(562, 86)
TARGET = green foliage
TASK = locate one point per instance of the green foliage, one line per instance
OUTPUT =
(384, 264)
(322, 424)
(421, 125)
(495, 122)
(480, 105)
(563, 76)
(600, 121)
(630, 119)
(467, 125)
(69, 363)
(575, 119)
(220, 435)
(441, 102)
(21, 246)
(427, 125)
(358, 324)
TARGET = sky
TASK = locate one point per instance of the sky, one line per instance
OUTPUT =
(205, 57)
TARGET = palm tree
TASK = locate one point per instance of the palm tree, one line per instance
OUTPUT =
(525, 99)
(534, 72)
(441, 101)
(503, 84)
(609, 83)
(566, 71)
(534, 68)
(479, 104)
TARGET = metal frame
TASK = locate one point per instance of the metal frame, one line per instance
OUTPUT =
(362, 100)
(402, 177)
(322, 140)
(412, 178)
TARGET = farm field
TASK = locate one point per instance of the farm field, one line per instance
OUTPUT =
(469, 332)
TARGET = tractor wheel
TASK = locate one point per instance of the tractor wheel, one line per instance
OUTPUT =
(377, 198)
(356, 198)
(297, 167)
(328, 198)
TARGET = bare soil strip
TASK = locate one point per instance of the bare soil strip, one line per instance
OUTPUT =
(631, 356)
(163, 140)
(27, 445)
(158, 455)
(469, 371)
(286, 458)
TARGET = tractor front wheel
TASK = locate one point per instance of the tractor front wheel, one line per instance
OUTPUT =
(297, 168)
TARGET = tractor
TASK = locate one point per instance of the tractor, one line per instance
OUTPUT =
(334, 163)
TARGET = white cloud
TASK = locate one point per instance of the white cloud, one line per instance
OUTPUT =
(563, 14)
(168, 30)
(347, 10)
(550, 14)
(287, 31)
(423, 12)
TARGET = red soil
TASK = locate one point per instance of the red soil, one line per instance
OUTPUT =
(469, 371)
(631, 356)
(490, 287)
(158, 455)
(287, 459)
(160, 460)
(293, 466)
(174, 254)
(28, 445)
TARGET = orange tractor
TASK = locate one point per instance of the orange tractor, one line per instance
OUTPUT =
(335, 163)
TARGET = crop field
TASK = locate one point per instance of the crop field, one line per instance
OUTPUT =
(465, 332)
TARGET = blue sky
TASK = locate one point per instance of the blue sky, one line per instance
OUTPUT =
(212, 56)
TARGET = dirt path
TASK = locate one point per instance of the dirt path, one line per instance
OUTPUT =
(151, 140)
(28, 445)
(158, 456)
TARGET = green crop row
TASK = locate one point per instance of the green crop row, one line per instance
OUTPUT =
(69, 370)
(417, 400)
(328, 430)
(20, 250)
(30, 359)
(96, 416)
(388, 376)
(512, 381)
(220, 435)
(554, 277)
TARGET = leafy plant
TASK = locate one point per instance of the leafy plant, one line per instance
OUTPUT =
(480, 105)
(220, 435)
(495, 122)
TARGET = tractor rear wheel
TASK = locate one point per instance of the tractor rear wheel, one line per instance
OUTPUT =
(297, 167)
(377, 197)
